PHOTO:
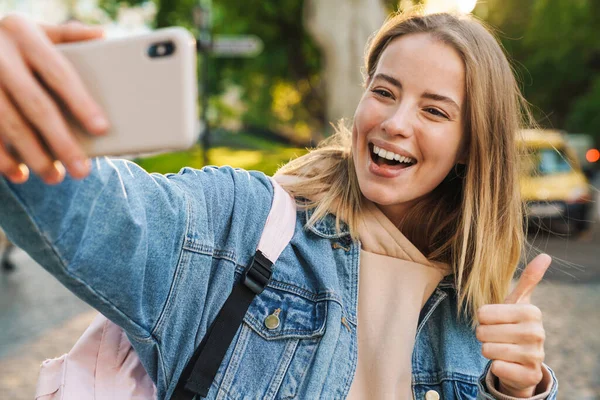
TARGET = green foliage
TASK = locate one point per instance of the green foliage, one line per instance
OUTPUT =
(289, 60)
(175, 12)
(170, 12)
(112, 6)
(556, 50)
(584, 115)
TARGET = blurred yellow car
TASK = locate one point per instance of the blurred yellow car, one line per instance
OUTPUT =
(553, 185)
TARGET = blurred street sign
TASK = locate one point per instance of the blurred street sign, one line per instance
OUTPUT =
(236, 45)
(208, 45)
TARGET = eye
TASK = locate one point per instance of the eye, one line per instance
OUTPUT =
(382, 93)
(436, 112)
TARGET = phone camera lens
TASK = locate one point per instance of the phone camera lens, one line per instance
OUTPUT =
(162, 49)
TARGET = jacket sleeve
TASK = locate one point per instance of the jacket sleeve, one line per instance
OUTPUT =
(116, 237)
(487, 390)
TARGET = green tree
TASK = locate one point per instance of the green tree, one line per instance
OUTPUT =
(288, 67)
(112, 6)
(555, 46)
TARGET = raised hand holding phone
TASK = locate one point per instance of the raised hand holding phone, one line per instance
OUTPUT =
(64, 98)
(512, 334)
(27, 53)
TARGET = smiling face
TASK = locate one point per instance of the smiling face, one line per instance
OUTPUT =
(408, 127)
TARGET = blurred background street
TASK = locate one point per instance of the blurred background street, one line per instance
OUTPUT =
(273, 74)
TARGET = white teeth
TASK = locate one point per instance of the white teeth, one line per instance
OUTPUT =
(392, 156)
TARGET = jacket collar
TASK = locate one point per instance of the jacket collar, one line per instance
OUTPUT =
(325, 227)
(447, 283)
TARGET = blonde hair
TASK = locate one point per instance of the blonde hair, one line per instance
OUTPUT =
(473, 220)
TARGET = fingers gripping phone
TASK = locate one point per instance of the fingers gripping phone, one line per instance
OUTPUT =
(146, 85)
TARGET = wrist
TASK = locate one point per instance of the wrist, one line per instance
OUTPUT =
(504, 392)
(518, 393)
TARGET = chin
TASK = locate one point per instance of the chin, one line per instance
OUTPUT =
(383, 196)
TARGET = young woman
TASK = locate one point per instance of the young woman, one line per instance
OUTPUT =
(409, 230)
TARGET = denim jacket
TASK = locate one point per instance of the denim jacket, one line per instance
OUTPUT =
(159, 254)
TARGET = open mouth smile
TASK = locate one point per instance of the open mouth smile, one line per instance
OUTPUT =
(387, 159)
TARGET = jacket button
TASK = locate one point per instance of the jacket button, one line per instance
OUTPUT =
(336, 245)
(272, 321)
(432, 395)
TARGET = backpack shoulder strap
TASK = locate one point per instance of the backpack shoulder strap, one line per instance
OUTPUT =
(280, 225)
(201, 369)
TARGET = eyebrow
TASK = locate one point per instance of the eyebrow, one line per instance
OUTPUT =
(444, 99)
(388, 79)
(426, 95)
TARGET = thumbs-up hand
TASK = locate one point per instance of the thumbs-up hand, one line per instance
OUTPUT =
(512, 334)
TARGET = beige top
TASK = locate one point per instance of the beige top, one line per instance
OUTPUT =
(395, 282)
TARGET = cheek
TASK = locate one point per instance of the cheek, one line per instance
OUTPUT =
(367, 116)
(441, 148)
(359, 130)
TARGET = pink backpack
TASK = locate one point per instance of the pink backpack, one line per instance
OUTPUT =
(104, 366)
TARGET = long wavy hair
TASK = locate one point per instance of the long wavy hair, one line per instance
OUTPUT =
(473, 221)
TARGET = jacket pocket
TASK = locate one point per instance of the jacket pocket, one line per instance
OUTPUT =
(447, 389)
(465, 391)
(275, 346)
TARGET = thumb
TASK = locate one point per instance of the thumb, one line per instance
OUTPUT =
(531, 276)
(72, 32)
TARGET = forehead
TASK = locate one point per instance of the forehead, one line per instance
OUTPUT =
(423, 63)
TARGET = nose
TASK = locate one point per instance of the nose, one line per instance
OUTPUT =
(399, 122)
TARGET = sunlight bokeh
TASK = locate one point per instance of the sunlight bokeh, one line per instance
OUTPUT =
(461, 6)
(466, 6)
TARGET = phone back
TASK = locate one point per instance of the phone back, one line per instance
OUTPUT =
(147, 86)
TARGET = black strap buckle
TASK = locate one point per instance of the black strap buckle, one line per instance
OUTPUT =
(258, 275)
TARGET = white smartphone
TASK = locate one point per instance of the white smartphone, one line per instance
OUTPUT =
(147, 86)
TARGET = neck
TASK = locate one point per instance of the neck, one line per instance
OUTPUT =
(397, 213)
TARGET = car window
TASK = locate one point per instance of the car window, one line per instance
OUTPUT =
(547, 162)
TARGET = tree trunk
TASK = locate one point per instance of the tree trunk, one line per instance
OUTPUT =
(341, 28)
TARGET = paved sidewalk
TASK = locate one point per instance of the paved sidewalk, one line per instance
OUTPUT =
(572, 323)
(571, 318)
(19, 371)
